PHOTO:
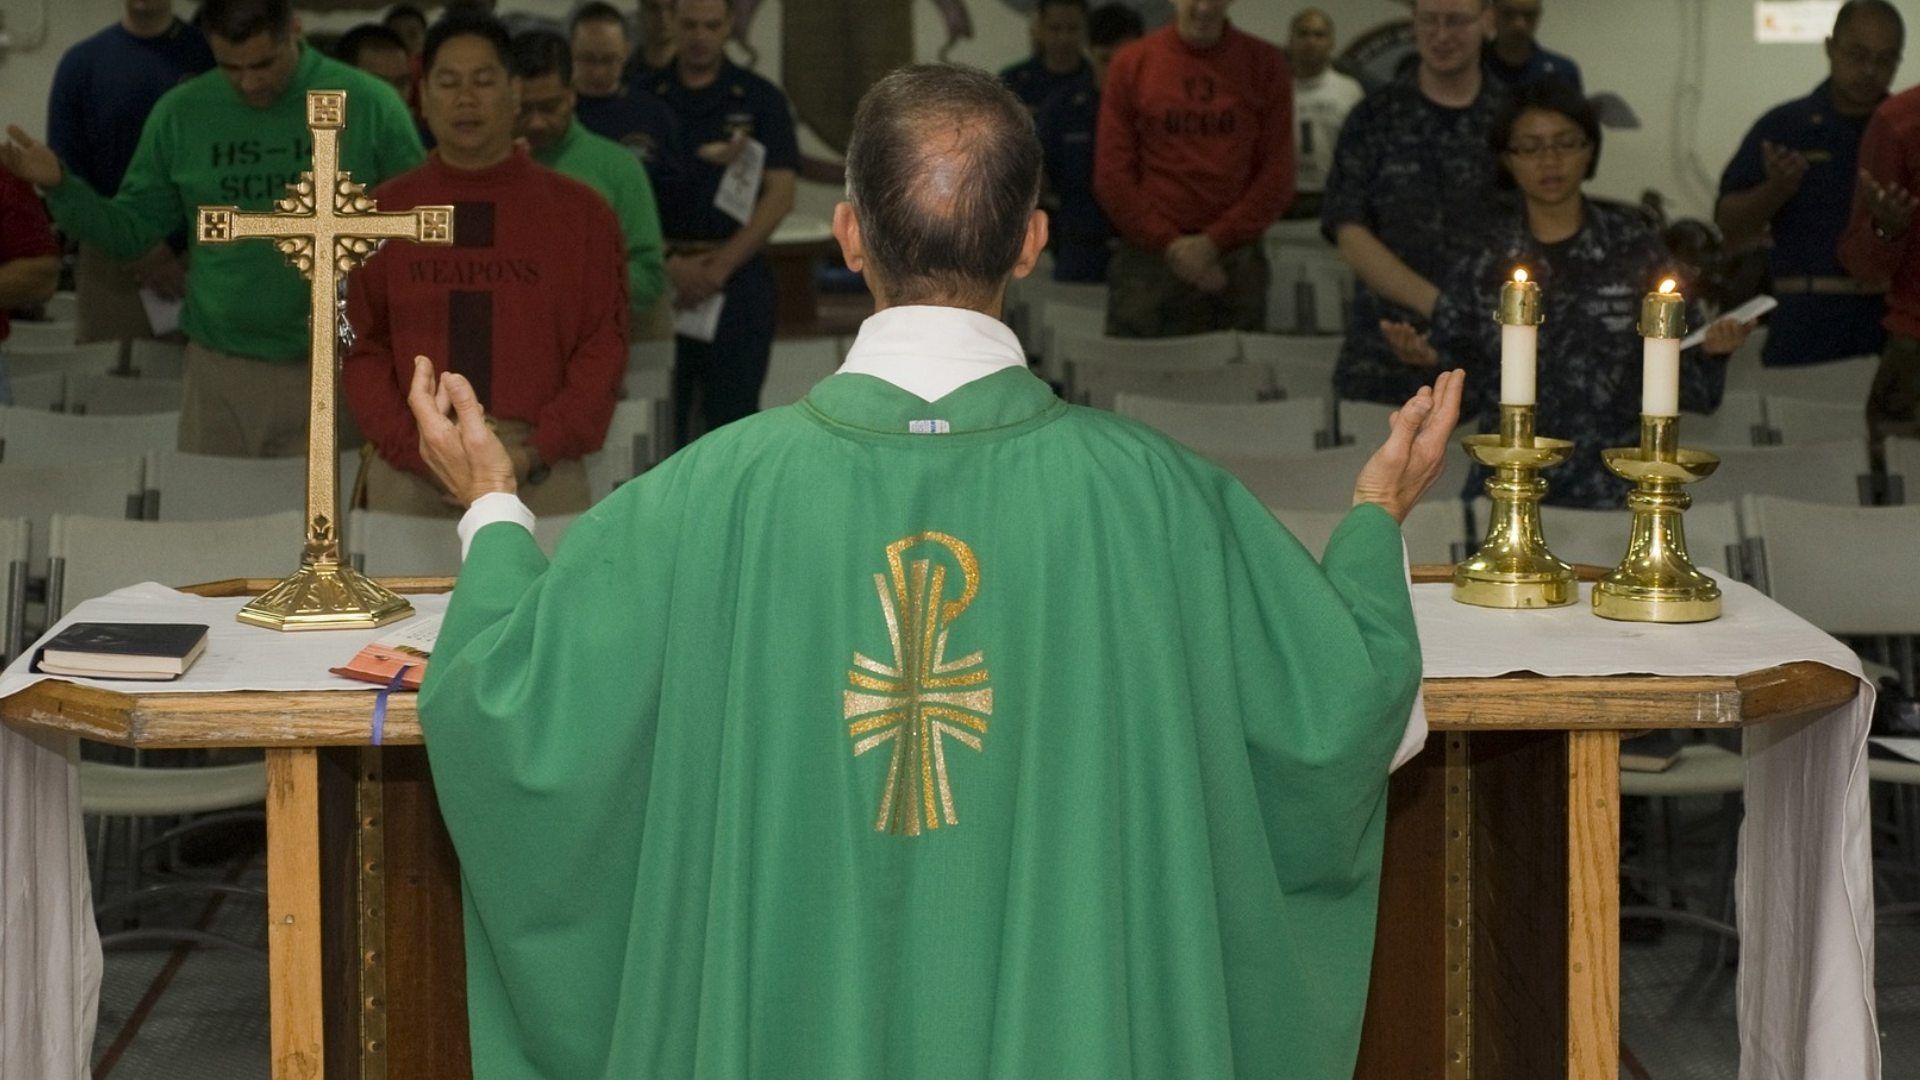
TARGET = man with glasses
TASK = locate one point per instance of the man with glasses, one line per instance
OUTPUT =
(1790, 186)
(1411, 183)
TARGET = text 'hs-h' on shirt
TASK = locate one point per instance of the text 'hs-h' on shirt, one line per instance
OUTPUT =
(530, 303)
(1195, 140)
(205, 146)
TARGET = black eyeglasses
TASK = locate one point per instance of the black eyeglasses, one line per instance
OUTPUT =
(1533, 148)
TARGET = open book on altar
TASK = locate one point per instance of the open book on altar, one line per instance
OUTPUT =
(401, 655)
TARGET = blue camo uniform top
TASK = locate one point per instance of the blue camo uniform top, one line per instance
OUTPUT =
(1420, 177)
(1809, 328)
(1591, 285)
(736, 101)
(1082, 235)
(1033, 84)
(1540, 65)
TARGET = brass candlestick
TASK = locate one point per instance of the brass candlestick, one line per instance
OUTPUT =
(325, 225)
(1657, 581)
(1513, 568)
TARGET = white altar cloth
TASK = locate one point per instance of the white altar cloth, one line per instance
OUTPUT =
(1806, 1005)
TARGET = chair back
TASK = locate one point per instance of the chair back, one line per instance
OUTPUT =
(1903, 470)
(1322, 480)
(1827, 472)
(34, 437)
(649, 370)
(1840, 382)
(386, 544)
(632, 446)
(15, 544)
(202, 487)
(41, 334)
(105, 394)
(45, 390)
(1257, 429)
(91, 556)
(1435, 529)
(794, 366)
(1070, 318)
(157, 359)
(66, 359)
(1741, 420)
(1797, 421)
(1099, 386)
(103, 487)
(1845, 569)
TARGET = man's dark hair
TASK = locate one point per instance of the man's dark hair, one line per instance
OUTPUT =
(1112, 24)
(242, 20)
(597, 11)
(404, 11)
(542, 52)
(943, 169)
(1853, 9)
(1546, 95)
(360, 38)
(467, 23)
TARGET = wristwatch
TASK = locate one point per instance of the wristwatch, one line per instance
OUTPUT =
(538, 472)
(1880, 230)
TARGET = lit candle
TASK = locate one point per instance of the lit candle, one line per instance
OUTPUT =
(1663, 322)
(1519, 317)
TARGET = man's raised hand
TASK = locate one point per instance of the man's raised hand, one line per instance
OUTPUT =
(465, 455)
(1408, 463)
(1890, 204)
(31, 161)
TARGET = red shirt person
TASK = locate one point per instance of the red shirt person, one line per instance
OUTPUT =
(29, 255)
(1881, 244)
(1193, 161)
(530, 302)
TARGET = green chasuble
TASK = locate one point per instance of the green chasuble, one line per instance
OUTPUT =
(872, 739)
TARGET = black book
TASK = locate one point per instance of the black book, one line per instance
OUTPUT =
(151, 651)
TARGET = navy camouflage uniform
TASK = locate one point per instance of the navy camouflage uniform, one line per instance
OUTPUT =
(643, 124)
(1082, 237)
(1420, 177)
(1591, 286)
(1823, 314)
(1033, 84)
(723, 377)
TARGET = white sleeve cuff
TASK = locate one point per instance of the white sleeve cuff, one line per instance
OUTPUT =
(489, 508)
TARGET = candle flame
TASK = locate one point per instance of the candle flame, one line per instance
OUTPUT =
(1520, 274)
(1667, 286)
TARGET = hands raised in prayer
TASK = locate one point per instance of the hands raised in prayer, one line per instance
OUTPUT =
(31, 161)
(1785, 166)
(466, 457)
(1890, 204)
(1407, 464)
(1410, 346)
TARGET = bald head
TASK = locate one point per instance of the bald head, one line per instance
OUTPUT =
(1310, 43)
(943, 172)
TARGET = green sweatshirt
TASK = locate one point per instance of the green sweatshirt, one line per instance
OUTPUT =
(204, 146)
(608, 168)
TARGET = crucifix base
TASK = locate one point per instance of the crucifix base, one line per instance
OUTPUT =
(326, 595)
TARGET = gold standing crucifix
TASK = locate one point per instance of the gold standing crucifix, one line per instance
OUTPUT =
(326, 226)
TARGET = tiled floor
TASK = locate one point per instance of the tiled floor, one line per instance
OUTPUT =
(209, 1019)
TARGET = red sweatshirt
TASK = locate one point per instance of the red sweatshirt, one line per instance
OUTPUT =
(1890, 153)
(1195, 140)
(25, 232)
(530, 303)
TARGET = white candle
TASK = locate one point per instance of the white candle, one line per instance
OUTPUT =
(1663, 322)
(1519, 318)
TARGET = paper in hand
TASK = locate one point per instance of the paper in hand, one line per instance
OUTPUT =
(1746, 312)
(740, 184)
(701, 322)
(163, 315)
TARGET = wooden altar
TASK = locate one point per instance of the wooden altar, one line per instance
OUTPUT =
(1498, 947)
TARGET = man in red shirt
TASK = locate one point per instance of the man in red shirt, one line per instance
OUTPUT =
(530, 302)
(1881, 245)
(29, 258)
(1193, 160)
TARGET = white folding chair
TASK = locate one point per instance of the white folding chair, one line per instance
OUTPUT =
(90, 556)
(66, 359)
(631, 446)
(649, 370)
(1434, 529)
(1264, 428)
(45, 390)
(1079, 355)
(1309, 289)
(1903, 470)
(1843, 382)
(1066, 317)
(33, 437)
(36, 335)
(1741, 420)
(1317, 351)
(15, 544)
(155, 359)
(1796, 421)
(1362, 423)
(1828, 472)
(101, 394)
(63, 306)
(101, 487)
(386, 544)
(548, 530)
(1098, 385)
(1845, 569)
(1322, 480)
(201, 487)
(795, 365)
(1599, 537)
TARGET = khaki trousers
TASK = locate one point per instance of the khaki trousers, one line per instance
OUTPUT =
(1146, 299)
(397, 491)
(236, 406)
(107, 299)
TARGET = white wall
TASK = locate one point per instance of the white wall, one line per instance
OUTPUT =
(1632, 47)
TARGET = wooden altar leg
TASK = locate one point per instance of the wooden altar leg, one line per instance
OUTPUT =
(1593, 905)
(293, 914)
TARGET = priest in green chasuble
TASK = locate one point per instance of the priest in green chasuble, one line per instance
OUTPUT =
(929, 728)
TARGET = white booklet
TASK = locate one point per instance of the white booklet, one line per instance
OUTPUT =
(701, 322)
(740, 184)
(1746, 312)
(163, 315)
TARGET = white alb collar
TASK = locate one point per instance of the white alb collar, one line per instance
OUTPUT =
(932, 351)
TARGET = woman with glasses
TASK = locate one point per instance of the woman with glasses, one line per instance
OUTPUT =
(1594, 261)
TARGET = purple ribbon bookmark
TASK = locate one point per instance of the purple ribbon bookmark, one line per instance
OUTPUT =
(380, 703)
